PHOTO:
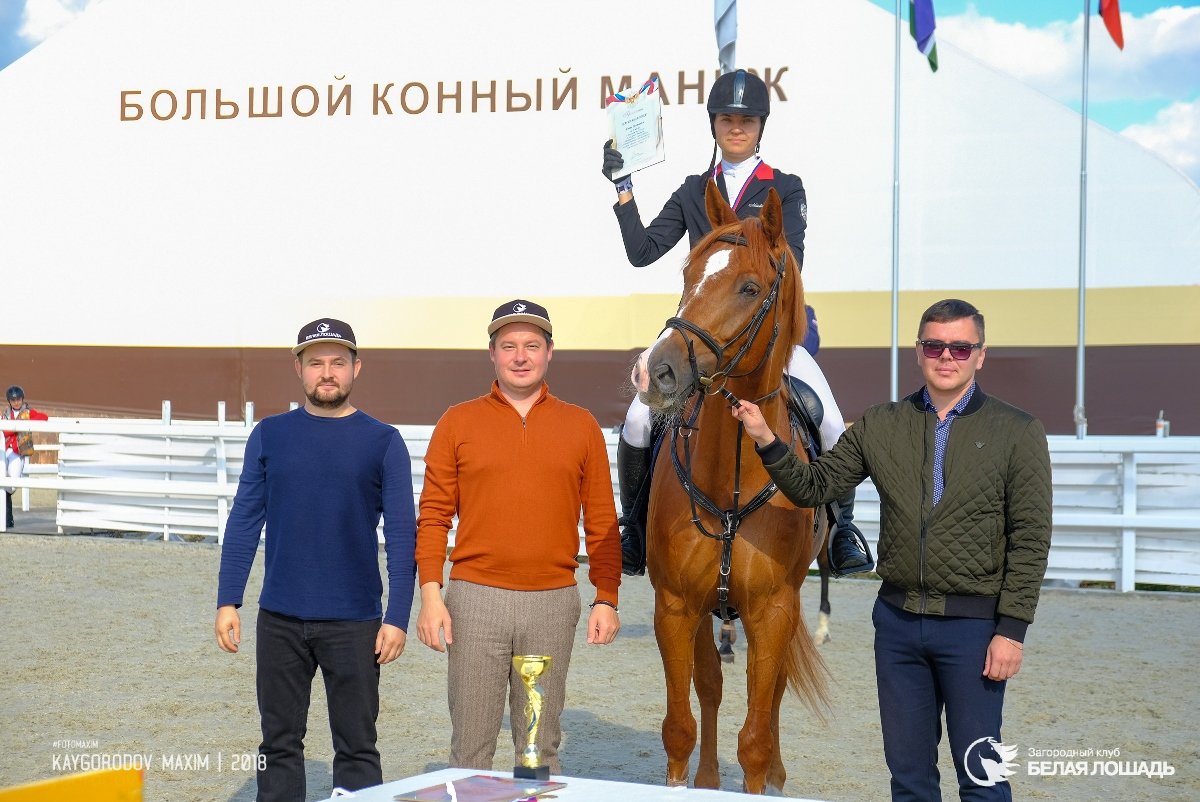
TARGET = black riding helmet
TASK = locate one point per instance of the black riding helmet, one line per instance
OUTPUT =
(14, 392)
(738, 92)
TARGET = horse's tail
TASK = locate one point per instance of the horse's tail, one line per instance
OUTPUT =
(807, 674)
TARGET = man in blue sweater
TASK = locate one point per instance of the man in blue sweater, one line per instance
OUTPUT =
(319, 477)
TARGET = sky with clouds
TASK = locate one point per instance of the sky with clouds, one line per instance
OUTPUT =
(1150, 91)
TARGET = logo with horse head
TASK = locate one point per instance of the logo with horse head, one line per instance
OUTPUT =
(519, 308)
(995, 758)
(322, 327)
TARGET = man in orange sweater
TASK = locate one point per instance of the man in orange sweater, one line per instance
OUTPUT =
(516, 465)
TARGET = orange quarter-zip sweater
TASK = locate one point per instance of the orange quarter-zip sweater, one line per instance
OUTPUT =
(517, 486)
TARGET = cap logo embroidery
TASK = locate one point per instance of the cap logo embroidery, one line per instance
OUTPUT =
(518, 308)
(322, 328)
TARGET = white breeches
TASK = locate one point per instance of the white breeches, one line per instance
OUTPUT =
(806, 369)
(637, 421)
(14, 465)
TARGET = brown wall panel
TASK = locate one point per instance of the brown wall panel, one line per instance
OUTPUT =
(1126, 385)
(398, 386)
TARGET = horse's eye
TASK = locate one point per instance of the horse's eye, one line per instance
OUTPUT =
(750, 289)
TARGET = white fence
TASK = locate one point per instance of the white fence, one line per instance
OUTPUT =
(1126, 509)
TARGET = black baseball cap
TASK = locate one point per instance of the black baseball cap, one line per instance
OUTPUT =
(520, 311)
(325, 330)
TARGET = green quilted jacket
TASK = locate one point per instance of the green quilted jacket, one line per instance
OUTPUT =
(982, 551)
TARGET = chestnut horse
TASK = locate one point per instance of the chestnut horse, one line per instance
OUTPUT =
(719, 537)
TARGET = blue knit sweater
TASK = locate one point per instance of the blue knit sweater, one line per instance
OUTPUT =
(320, 485)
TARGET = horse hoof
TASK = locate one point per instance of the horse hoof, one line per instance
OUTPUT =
(821, 638)
(768, 790)
(726, 654)
(676, 783)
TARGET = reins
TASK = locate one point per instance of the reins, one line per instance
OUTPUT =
(708, 385)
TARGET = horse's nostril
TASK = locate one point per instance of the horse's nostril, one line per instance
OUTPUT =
(664, 377)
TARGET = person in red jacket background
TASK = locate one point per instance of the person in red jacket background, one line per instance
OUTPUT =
(18, 446)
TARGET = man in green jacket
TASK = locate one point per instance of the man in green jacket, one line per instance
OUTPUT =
(965, 509)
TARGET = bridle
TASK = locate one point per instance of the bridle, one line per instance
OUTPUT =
(724, 369)
(712, 384)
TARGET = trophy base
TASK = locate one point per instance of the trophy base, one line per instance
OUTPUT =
(536, 773)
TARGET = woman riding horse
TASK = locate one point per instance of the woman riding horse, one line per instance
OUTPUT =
(738, 106)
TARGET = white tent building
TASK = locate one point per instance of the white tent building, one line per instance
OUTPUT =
(197, 180)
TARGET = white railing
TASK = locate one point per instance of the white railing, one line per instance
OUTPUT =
(1126, 509)
(176, 478)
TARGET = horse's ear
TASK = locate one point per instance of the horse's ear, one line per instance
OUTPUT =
(719, 213)
(772, 217)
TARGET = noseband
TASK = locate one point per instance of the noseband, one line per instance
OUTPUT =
(725, 369)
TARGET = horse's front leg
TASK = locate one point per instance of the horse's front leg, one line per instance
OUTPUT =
(676, 631)
(769, 634)
(709, 685)
(776, 772)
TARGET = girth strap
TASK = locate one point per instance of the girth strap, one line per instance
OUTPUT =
(731, 517)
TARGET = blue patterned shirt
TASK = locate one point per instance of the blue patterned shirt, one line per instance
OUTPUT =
(941, 433)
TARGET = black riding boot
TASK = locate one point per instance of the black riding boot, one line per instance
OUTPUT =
(849, 552)
(633, 468)
(8, 518)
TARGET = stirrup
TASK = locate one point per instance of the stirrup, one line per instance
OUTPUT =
(849, 530)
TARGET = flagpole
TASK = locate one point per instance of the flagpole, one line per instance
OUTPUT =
(1080, 415)
(895, 356)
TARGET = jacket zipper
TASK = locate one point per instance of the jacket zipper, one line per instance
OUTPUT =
(926, 492)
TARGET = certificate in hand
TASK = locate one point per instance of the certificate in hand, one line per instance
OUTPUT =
(635, 122)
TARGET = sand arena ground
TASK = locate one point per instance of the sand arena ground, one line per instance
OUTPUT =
(109, 647)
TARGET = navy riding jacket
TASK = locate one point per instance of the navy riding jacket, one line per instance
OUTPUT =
(685, 213)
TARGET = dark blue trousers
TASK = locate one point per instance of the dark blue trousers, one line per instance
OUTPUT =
(289, 651)
(924, 664)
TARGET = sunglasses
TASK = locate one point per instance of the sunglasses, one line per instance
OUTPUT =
(932, 349)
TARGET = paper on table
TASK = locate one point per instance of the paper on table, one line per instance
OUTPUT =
(635, 125)
(480, 788)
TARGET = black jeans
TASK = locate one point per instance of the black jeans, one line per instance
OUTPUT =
(289, 651)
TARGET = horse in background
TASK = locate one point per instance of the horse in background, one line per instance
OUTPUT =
(720, 538)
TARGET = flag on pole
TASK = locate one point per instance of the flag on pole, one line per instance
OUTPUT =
(921, 25)
(725, 21)
(1110, 10)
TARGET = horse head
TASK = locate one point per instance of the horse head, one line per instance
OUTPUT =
(741, 312)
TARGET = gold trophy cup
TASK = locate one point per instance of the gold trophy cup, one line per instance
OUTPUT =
(530, 667)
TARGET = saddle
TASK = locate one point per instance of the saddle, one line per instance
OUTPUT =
(805, 411)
